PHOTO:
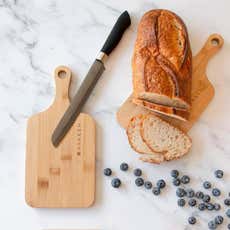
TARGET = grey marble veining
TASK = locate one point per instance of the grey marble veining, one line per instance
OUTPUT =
(38, 35)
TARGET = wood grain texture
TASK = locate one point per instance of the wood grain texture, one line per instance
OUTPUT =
(62, 177)
(202, 90)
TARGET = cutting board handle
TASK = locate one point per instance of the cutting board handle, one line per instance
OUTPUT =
(62, 75)
(210, 48)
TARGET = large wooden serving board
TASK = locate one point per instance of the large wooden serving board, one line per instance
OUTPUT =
(62, 177)
(202, 89)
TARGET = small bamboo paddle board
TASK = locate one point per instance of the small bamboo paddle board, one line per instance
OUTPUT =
(62, 177)
(202, 90)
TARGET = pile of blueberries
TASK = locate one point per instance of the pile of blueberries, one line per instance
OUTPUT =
(194, 198)
(199, 199)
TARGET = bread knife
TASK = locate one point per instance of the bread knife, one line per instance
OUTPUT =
(94, 73)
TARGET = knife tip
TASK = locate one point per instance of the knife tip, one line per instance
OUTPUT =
(54, 141)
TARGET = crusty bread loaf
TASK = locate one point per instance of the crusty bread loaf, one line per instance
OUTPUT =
(162, 137)
(137, 143)
(162, 60)
(162, 109)
(156, 139)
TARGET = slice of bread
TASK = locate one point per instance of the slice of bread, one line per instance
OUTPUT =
(162, 137)
(156, 139)
(161, 109)
(137, 143)
(134, 136)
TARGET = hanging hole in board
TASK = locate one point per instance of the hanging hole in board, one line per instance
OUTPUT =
(215, 41)
(62, 74)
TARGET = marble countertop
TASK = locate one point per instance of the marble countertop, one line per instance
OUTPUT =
(38, 35)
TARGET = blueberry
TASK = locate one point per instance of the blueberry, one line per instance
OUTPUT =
(148, 185)
(116, 182)
(176, 181)
(219, 219)
(227, 202)
(107, 172)
(190, 193)
(191, 220)
(185, 179)
(199, 195)
(219, 173)
(206, 198)
(137, 172)
(192, 202)
(181, 202)
(139, 181)
(174, 173)
(180, 192)
(209, 206)
(161, 183)
(228, 213)
(212, 224)
(228, 226)
(207, 185)
(156, 191)
(216, 192)
(202, 206)
(124, 166)
(217, 207)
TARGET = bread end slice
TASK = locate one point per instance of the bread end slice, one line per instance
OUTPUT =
(134, 136)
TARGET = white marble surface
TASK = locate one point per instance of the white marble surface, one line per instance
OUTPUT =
(38, 35)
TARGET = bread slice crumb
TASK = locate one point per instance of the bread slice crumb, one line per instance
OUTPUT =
(162, 137)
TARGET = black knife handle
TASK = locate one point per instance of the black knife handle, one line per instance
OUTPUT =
(123, 22)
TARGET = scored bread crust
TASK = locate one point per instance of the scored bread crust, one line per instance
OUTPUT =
(161, 109)
(162, 60)
(170, 152)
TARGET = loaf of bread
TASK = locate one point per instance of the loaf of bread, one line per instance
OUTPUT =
(156, 140)
(162, 60)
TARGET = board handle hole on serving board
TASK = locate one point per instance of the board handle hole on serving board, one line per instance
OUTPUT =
(62, 74)
(215, 41)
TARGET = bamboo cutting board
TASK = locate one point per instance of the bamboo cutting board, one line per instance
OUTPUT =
(202, 89)
(62, 177)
